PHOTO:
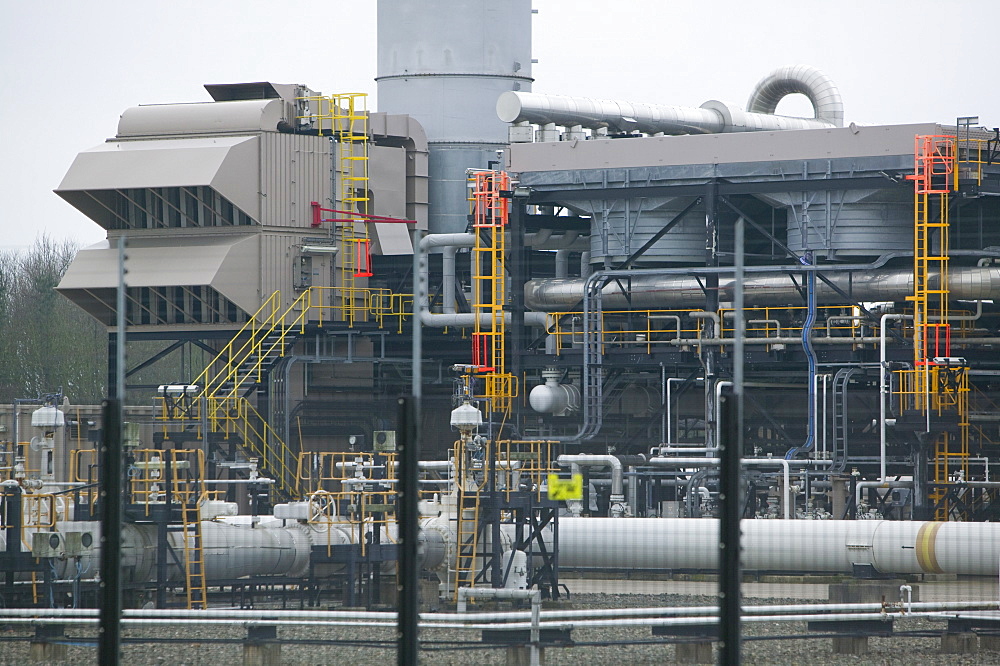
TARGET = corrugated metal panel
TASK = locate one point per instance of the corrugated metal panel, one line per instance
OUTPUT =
(276, 266)
(295, 170)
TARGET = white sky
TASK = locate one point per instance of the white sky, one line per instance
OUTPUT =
(68, 68)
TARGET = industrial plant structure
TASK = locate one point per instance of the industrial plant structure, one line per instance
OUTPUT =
(580, 265)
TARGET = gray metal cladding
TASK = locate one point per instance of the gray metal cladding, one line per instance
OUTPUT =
(760, 289)
(295, 170)
(622, 226)
(445, 63)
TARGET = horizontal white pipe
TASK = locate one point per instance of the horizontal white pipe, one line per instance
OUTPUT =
(263, 616)
(900, 547)
(890, 613)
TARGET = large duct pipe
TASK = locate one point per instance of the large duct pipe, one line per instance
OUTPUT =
(899, 547)
(711, 118)
(971, 283)
(799, 79)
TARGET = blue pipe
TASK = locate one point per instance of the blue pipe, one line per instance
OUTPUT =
(807, 347)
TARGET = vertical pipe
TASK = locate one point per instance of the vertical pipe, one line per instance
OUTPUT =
(708, 355)
(419, 298)
(448, 279)
(409, 457)
(562, 263)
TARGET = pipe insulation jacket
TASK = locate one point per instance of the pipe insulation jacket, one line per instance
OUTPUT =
(898, 547)
(237, 546)
(275, 547)
(712, 117)
(971, 283)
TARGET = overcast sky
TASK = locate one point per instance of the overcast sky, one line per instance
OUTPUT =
(68, 68)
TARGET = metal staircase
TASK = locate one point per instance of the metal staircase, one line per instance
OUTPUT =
(239, 368)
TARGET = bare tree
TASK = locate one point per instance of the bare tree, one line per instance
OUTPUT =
(46, 342)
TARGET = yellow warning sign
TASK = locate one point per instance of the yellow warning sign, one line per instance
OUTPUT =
(566, 489)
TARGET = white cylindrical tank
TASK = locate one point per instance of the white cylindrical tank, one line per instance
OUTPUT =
(554, 398)
(445, 63)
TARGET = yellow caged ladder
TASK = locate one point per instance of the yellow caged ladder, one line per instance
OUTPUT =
(350, 125)
(491, 214)
(936, 388)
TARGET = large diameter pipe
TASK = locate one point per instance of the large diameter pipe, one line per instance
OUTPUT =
(711, 118)
(899, 547)
(240, 546)
(971, 283)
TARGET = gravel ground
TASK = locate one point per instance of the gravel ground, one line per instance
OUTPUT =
(640, 648)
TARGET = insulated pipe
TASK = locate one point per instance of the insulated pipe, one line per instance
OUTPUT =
(899, 547)
(802, 79)
(562, 263)
(438, 243)
(568, 240)
(491, 593)
(711, 118)
(448, 279)
(761, 287)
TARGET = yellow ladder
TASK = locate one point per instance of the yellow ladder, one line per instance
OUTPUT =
(350, 126)
(489, 299)
(194, 558)
(934, 179)
(466, 540)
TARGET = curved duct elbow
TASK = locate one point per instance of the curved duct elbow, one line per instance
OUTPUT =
(799, 79)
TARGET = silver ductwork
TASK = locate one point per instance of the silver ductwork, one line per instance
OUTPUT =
(799, 79)
(970, 283)
(712, 117)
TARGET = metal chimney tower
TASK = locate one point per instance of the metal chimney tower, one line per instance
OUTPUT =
(445, 63)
